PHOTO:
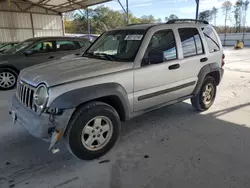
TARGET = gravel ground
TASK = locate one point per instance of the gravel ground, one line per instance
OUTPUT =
(171, 147)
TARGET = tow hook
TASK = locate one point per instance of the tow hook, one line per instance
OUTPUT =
(55, 137)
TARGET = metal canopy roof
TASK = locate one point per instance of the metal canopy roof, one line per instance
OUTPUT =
(57, 6)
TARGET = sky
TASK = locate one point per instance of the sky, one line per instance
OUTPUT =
(163, 8)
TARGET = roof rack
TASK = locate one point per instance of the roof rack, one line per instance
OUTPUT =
(186, 20)
(139, 24)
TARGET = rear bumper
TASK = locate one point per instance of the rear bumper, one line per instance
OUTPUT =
(221, 74)
(37, 126)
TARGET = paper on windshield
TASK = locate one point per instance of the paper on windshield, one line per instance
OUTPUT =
(133, 37)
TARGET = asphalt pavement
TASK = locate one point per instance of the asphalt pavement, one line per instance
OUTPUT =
(172, 147)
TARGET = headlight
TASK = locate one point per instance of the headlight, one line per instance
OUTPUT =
(41, 96)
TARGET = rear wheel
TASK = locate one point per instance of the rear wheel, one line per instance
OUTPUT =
(93, 130)
(206, 96)
(8, 79)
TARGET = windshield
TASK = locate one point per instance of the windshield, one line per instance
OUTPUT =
(118, 45)
(19, 47)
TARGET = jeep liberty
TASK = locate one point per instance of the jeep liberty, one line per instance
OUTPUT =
(126, 72)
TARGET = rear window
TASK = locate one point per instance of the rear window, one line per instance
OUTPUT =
(66, 45)
(212, 41)
(191, 42)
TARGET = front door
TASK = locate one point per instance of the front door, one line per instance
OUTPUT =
(41, 52)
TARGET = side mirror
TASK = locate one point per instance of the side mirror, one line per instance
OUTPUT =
(29, 52)
(154, 57)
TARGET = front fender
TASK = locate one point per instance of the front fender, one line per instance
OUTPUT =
(74, 98)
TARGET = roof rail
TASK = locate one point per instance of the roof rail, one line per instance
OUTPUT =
(187, 20)
(138, 24)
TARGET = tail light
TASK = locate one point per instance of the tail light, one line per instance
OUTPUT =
(223, 60)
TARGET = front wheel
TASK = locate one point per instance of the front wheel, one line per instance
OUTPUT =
(8, 79)
(93, 130)
(206, 96)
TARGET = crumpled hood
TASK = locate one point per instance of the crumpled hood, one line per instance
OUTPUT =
(68, 70)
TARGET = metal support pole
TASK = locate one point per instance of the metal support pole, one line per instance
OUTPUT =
(32, 25)
(127, 12)
(197, 9)
(88, 23)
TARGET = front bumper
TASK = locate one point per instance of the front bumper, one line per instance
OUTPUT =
(38, 126)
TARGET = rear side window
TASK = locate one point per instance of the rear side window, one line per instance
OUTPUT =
(67, 45)
(191, 42)
(212, 41)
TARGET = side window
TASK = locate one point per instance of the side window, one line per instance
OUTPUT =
(43, 47)
(191, 42)
(66, 45)
(162, 47)
(212, 41)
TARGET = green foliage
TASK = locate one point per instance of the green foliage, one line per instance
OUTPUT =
(101, 19)
(206, 15)
(171, 17)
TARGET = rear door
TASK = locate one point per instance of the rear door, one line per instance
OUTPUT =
(193, 55)
(214, 47)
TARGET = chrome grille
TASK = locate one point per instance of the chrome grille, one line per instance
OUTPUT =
(25, 94)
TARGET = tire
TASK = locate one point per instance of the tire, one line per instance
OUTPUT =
(8, 79)
(198, 101)
(79, 133)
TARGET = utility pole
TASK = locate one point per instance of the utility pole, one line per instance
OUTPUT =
(197, 9)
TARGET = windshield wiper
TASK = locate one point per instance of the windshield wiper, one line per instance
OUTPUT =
(99, 55)
(107, 56)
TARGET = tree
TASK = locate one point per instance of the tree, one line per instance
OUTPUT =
(205, 15)
(238, 14)
(214, 14)
(245, 6)
(101, 19)
(171, 17)
(226, 9)
(69, 15)
(148, 19)
(158, 20)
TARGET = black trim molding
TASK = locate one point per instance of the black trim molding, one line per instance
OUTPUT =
(162, 92)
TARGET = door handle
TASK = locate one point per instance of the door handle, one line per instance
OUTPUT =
(204, 59)
(175, 66)
(51, 57)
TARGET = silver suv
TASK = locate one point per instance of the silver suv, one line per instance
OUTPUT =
(125, 73)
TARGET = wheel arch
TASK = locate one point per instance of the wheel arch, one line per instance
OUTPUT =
(112, 93)
(6, 66)
(214, 70)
